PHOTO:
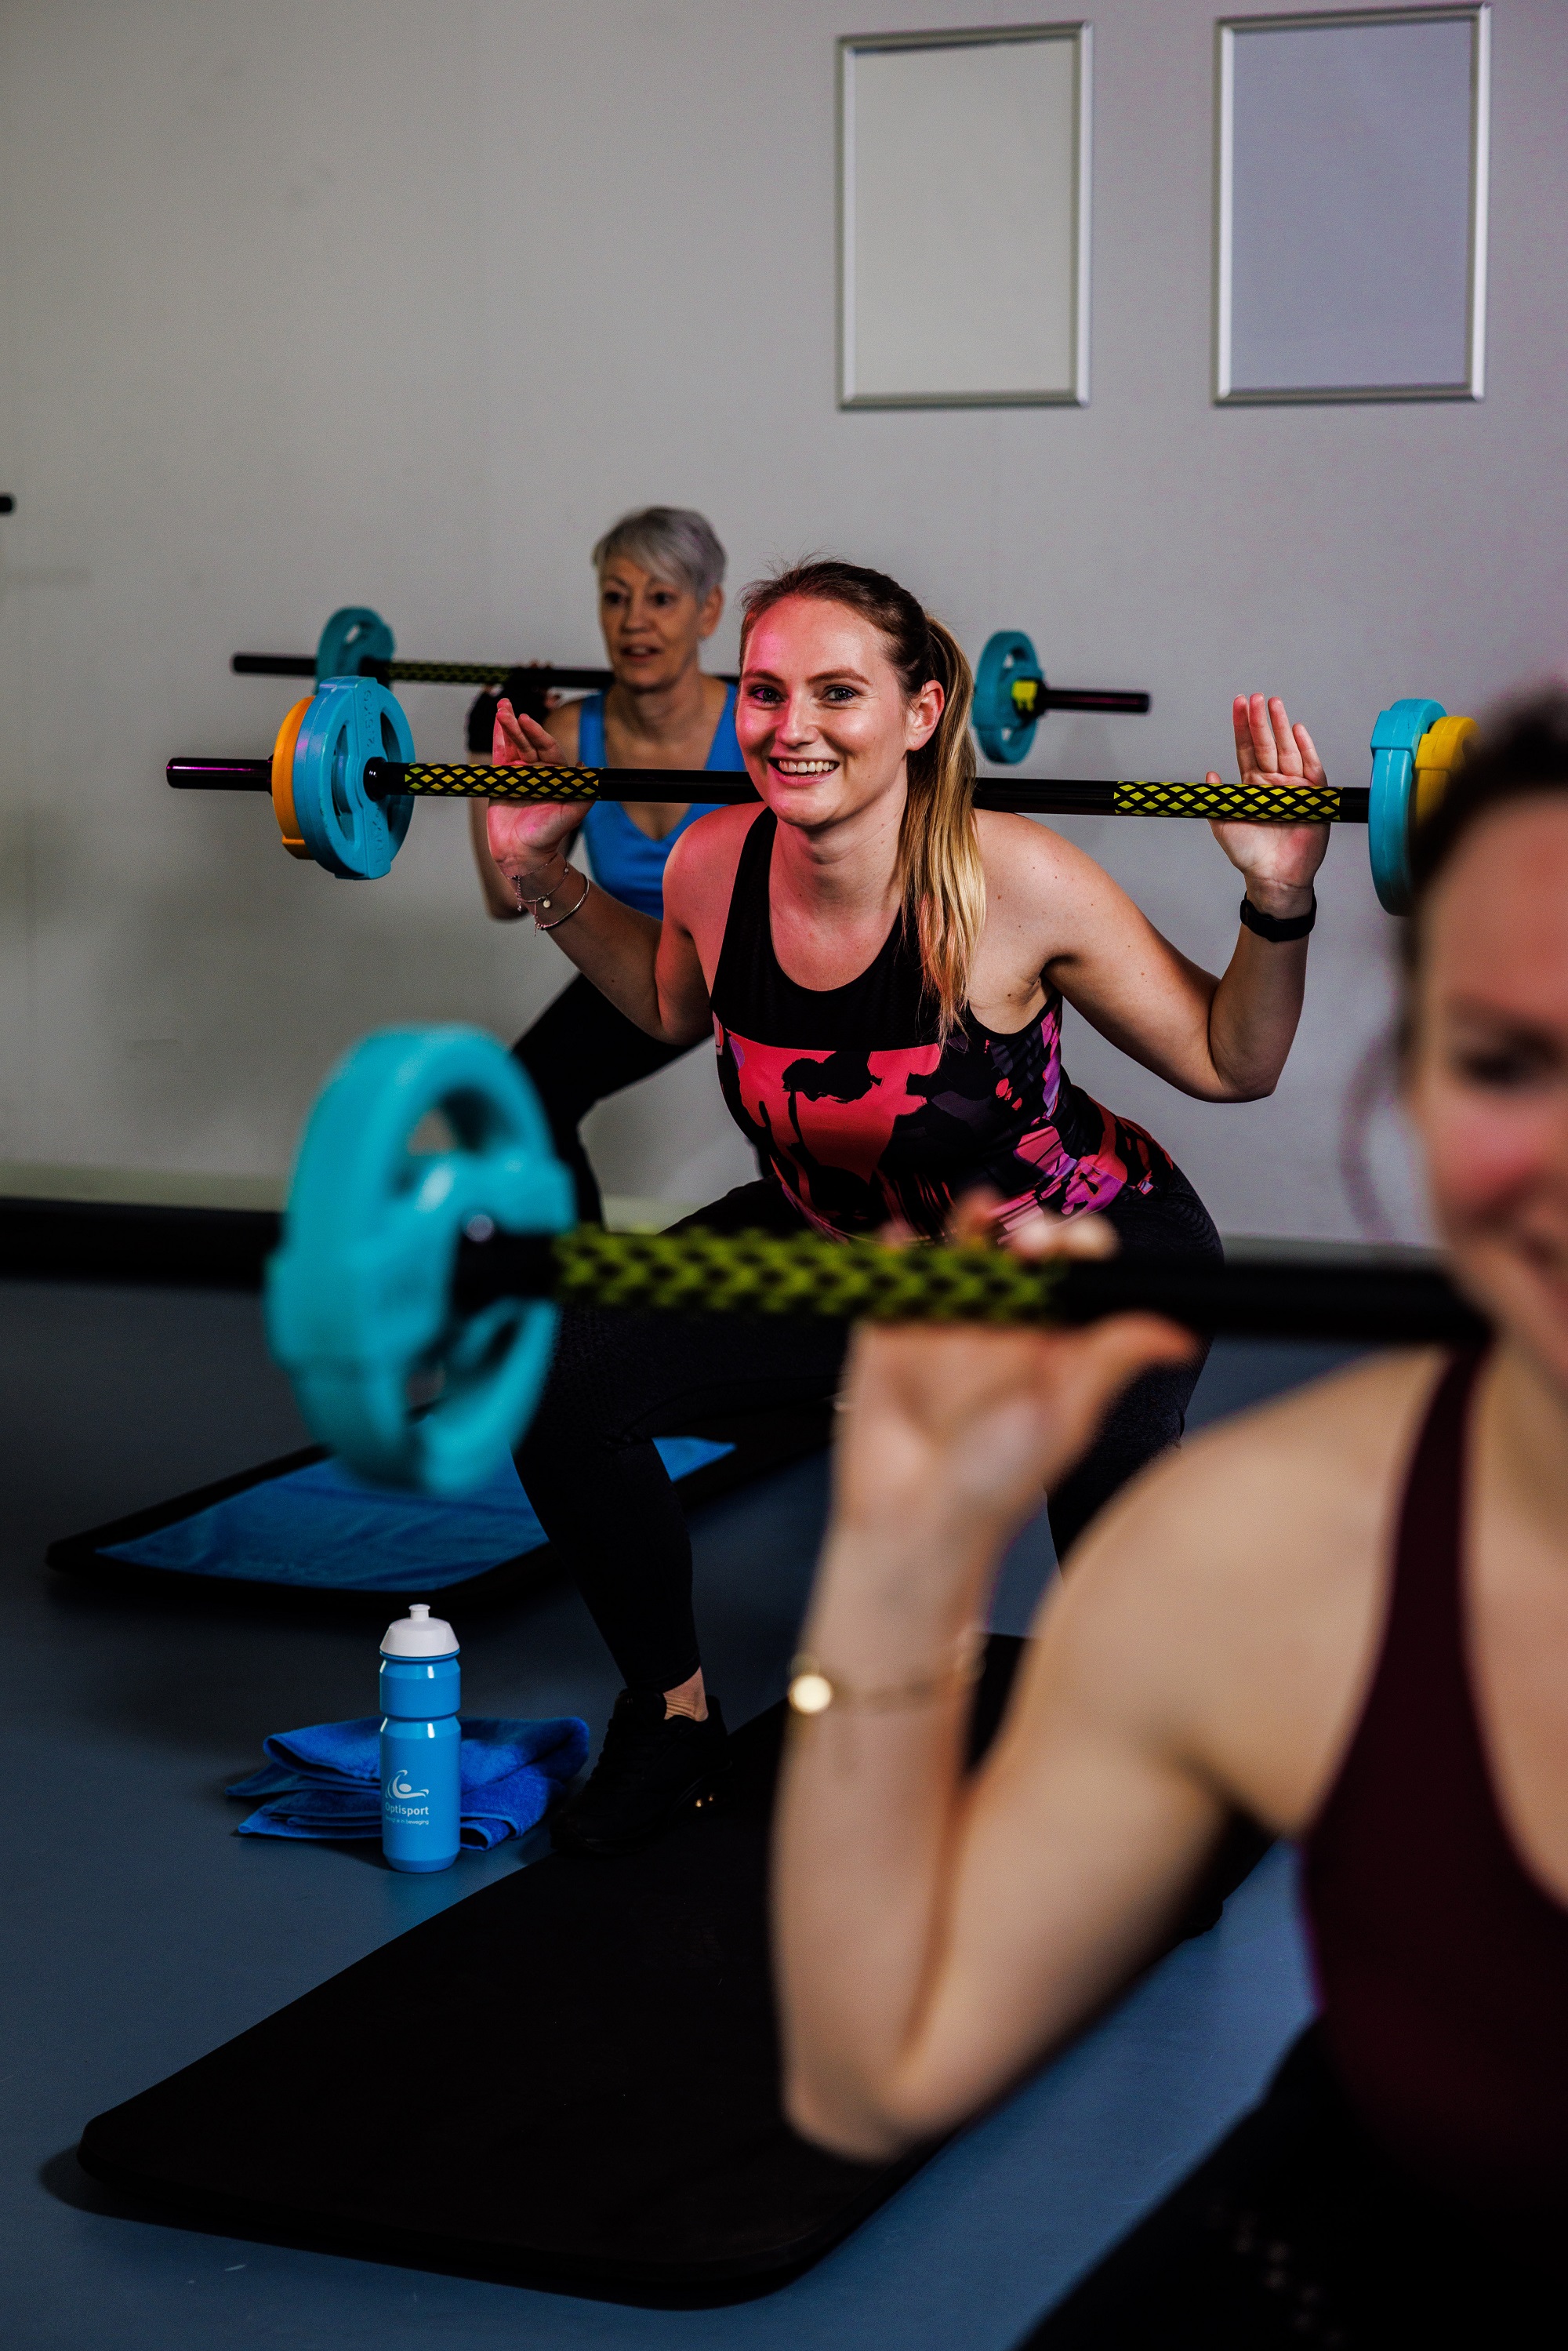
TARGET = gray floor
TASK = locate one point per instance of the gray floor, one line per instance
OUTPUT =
(139, 1932)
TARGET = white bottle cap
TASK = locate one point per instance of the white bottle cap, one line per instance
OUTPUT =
(419, 1635)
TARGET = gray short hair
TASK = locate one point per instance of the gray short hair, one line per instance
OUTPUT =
(670, 542)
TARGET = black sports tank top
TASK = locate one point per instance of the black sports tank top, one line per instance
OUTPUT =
(860, 1114)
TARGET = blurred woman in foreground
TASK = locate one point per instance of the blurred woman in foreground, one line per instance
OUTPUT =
(1345, 1614)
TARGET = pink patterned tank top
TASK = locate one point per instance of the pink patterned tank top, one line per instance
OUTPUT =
(860, 1114)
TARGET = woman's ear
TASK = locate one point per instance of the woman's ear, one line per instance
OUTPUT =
(711, 613)
(923, 714)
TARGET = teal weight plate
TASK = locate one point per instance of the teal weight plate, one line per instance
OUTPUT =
(351, 720)
(353, 633)
(1395, 740)
(359, 1297)
(1004, 735)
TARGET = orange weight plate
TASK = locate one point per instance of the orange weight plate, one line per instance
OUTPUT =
(283, 780)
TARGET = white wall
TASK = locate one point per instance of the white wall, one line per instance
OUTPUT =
(312, 301)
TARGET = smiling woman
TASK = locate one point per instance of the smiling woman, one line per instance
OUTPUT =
(1345, 1617)
(884, 970)
(660, 596)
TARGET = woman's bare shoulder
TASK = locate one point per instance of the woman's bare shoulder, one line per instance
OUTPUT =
(1025, 859)
(1230, 1601)
(700, 872)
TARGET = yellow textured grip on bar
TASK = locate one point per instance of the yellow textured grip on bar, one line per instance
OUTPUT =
(764, 1273)
(437, 673)
(430, 779)
(1232, 803)
(1438, 754)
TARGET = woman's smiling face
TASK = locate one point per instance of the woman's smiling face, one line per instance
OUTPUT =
(1487, 1074)
(823, 723)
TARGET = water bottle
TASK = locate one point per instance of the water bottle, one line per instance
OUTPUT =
(421, 1784)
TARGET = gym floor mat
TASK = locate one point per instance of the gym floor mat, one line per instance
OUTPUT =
(300, 1528)
(570, 2079)
(140, 1934)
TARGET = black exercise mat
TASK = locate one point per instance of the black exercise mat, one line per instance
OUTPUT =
(599, 2109)
(759, 1443)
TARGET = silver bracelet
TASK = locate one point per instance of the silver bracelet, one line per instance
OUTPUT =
(537, 903)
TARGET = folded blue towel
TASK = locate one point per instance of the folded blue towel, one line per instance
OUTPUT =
(325, 1781)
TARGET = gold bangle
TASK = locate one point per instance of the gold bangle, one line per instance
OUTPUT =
(812, 1691)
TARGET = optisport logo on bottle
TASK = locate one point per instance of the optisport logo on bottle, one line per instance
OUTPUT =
(398, 1788)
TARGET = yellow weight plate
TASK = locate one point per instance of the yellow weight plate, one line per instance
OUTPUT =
(283, 780)
(1438, 754)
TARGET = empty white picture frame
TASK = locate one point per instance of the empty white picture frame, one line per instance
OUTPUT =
(963, 218)
(1352, 205)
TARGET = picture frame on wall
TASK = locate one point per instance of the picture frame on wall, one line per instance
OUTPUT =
(1351, 205)
(964, 187)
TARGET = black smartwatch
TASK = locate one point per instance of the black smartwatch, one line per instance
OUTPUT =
(1278, 929)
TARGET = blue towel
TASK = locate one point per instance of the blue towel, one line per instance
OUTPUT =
(325, 1781)
(322, 1526)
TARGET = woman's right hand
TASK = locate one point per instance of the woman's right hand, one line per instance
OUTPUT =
(529, 844)
(959, 1427)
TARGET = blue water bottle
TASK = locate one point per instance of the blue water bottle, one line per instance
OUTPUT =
(420, 1783)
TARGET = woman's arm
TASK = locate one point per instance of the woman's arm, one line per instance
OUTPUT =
(1221, 1039)
(499, 895)
(936, 1933)
(500, 898)
(648, 970)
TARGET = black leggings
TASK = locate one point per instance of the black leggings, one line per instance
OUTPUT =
(619, 1380)
(580, 1049)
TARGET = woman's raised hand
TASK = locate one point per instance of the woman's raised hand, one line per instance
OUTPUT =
(528, 843)
(1277, 860)
(952, 1433)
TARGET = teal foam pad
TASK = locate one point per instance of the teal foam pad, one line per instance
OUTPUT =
(320, 1525)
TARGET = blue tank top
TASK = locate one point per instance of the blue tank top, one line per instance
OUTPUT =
(624, 860)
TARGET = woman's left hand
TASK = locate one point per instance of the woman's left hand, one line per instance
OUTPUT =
(1278, 861)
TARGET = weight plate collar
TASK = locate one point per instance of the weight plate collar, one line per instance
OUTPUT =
(359, 1297)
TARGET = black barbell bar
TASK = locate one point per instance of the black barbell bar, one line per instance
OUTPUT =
(1305, 1298)
(389, 779)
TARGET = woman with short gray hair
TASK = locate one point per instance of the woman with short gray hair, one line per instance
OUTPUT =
(661, 595)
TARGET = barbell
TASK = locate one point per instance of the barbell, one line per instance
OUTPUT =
(356, 643)
(1010, 691)
(343, 780)
(413, 1296)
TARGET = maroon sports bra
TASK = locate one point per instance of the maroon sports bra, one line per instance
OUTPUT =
(1442, 1963)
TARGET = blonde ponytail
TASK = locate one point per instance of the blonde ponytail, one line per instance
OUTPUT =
(938, 847)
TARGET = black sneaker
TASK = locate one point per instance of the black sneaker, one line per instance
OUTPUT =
(651, 1767)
